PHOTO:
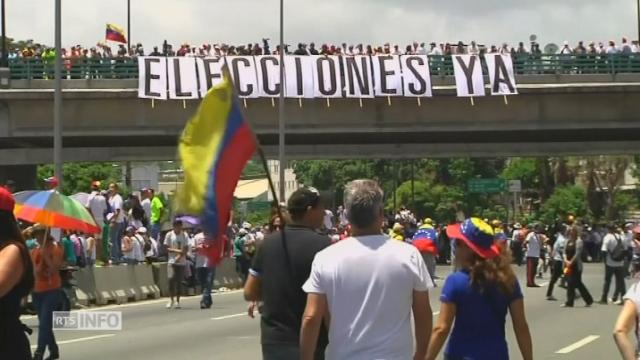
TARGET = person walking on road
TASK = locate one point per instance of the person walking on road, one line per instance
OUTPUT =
(476, 298)
(557, 264)
(366, 287)
(573, 268)
(628, 321)
(205, 270)
(425, 241)
(614, 247)
(517, 239)
(533, 243)
(16, 281)
(177, 245)
(280, 268)
(47, 259)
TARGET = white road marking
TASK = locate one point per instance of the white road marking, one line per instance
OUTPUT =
(139, 303)
(578, 344)
(71, 341)
(230, 316)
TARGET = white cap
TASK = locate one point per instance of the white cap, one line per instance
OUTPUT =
(142, 230)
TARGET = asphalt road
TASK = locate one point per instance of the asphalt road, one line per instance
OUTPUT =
(225, 332)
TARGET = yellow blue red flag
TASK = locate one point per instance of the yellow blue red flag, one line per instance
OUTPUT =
(115, 34)
(214, 147)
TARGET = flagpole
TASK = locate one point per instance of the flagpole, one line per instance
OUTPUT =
(281, 120)
(128, 25)
(57, 96)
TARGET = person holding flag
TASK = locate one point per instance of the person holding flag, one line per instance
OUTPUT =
(214, 147)
(425, 240)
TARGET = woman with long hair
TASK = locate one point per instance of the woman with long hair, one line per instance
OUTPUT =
(16, 281)
(477, 297)
(573, 268)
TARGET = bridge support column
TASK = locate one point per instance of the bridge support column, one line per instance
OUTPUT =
(24, 176)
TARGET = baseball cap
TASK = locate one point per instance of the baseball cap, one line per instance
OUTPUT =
(7, 202)
(477, 235)
(303, 198)
(142, 230)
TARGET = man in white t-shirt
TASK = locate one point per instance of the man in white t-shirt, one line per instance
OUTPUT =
(146, 203)
(116, 222)
(614, 245)
(367, 285)
(533, 242)
(177, 244)
(97, 205)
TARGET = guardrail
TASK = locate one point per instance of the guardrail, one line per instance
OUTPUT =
(526, 64)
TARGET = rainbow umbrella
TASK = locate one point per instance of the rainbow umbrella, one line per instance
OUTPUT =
(52, 209)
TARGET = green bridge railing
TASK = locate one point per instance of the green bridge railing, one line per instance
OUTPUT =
(127, 68)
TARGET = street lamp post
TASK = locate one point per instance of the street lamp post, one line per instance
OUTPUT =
(5, 56)
(57, 95)
(128, 25)
(638, 9)
(281, 119)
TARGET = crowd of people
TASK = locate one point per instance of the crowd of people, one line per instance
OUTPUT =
(305, 266)
(103, 50)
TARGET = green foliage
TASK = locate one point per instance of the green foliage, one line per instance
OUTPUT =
(437, 201)
(77, 177)
(565, 200)
(524, 169)
(623, 202)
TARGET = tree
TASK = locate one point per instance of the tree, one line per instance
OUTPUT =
(438, 201)
(605, 175)
(565, 200)
(77, 177)
(523, 169)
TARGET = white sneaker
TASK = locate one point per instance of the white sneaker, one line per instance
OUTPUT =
(177, 306)
(619, 302)
(169, 304)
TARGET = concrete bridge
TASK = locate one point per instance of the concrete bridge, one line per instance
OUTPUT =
(553, 115)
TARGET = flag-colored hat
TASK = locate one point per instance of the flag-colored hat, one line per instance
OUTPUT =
(477, 235)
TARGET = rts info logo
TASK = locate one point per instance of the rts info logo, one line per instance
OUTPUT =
(87, 320)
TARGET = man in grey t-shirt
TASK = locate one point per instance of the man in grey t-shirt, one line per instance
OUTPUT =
(177, 245)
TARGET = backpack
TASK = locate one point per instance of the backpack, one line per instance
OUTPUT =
(619, 252)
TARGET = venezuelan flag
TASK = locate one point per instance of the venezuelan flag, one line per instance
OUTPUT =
(425, 239)
(115, 34)
(214, 148)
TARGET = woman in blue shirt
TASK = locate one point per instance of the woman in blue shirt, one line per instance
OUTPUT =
(477, 297)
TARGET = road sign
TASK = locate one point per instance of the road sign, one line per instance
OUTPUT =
(487, 186)
(514, 185)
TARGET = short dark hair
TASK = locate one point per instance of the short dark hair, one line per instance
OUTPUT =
(177, 222)
(364, 201)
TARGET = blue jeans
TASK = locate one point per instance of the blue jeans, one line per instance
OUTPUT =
(46, 303)
(155, 231)
(115, 234)
(205, 278)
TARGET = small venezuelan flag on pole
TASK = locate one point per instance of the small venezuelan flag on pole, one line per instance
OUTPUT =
(115, 34)
(214, 148)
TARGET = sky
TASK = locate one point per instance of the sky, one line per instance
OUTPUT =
(328, 21)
